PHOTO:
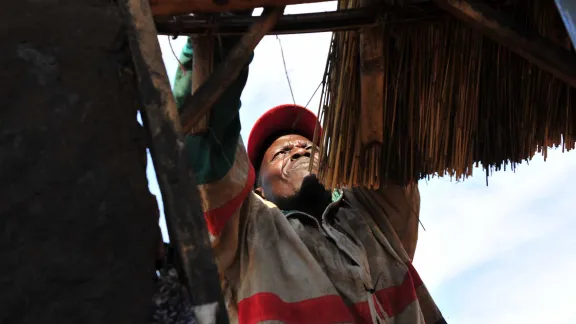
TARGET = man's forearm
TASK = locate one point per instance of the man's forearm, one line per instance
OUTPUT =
(210, 154)
(217, 157)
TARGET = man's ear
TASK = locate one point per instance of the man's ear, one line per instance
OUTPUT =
(260, 192)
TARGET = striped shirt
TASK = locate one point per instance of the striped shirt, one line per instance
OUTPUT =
(351, 266)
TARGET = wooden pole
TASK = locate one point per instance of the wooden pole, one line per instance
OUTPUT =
(372, 83)
(196, 106)
(203, 65)
(182, 202)
(182, 7)
(372, 62)
(548, 56)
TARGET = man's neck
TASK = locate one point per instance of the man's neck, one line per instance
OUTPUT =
(311, 199)
(314, 205)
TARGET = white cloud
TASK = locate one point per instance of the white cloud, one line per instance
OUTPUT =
(502, 253)
(531, 284)
(497, 254)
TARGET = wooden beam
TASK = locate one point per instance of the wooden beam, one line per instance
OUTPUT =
(182, 202)
(371, 83)
(289, 24)
(203, 65)
(182, 7)
(295, 24)
(531, 46)
(372, 92)
(201, 102)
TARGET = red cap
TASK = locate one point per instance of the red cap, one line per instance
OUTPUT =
(281, 118)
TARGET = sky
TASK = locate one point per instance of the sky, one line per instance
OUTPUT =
(500, 254)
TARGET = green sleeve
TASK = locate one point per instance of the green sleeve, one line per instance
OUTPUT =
(211, 154)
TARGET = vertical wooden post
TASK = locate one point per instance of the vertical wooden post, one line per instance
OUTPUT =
(372, 95)
(182, 202)
(372, 85)
(203, 65)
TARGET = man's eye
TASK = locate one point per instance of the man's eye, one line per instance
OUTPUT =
(277, 154)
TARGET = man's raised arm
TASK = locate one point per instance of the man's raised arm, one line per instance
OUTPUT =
(397, 207)
(218, 158)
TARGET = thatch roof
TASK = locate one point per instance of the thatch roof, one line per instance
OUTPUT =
(442, 97)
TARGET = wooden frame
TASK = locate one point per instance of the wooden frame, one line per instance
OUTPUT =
(538, 50)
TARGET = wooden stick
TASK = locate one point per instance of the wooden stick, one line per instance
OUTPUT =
(534, 48)
(182, 202)
(182, 7)
(201, 102)
(203, 65)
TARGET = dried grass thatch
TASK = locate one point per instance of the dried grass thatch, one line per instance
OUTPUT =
(452, 99)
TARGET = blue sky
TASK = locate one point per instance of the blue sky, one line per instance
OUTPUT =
(498, 254)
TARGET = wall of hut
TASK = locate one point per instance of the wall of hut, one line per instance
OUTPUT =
(77, 220)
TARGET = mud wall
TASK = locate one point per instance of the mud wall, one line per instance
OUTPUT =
(77, 221)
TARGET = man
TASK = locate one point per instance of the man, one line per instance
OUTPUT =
(288, 250)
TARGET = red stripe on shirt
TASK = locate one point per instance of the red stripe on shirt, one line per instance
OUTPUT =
(395, 299)
(267, 306)
(415, 276)
(217, 218)
(326, 309)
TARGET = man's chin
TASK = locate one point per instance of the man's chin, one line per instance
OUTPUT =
(299, 173)
(311, 185)
(311, 177)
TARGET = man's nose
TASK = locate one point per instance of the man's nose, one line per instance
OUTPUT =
(299, 152)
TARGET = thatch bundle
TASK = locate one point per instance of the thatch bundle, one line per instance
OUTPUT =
(452, 98)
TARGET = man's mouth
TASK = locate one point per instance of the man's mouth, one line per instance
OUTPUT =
(302, 163)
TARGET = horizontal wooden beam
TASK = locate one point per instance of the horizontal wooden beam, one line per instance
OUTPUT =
(296, 24)
(540, 51)
(289, 24)
(182, 7)
(205, 97)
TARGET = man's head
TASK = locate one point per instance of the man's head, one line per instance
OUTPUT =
(280, 147)
(284, 165)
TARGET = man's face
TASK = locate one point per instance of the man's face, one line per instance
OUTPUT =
(284, 166)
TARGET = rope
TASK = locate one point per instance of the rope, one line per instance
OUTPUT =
(285, 69)
(180, 65)
(314, 94)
